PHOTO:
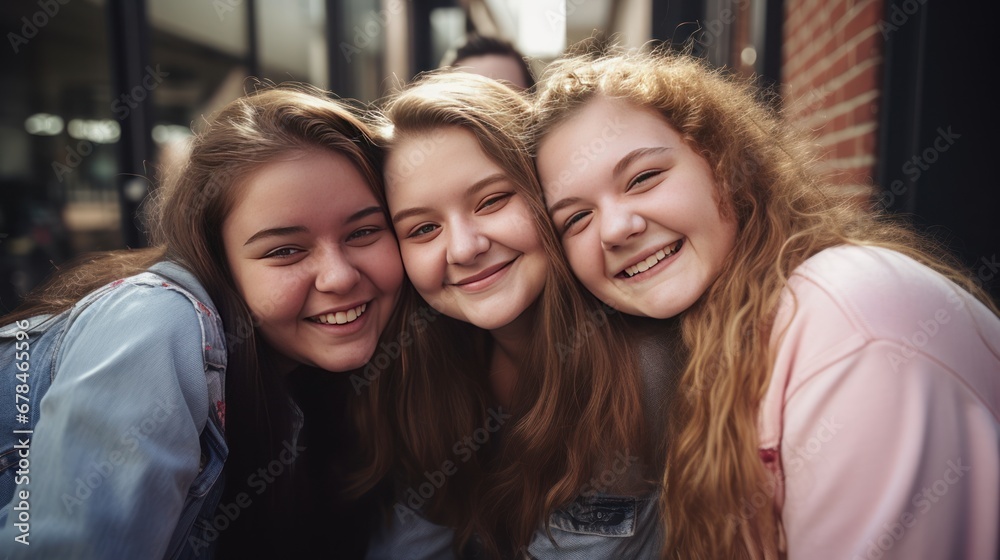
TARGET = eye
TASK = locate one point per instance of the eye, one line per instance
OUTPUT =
(422, 230)
(282, 253)
(364, 233)
(495, 202)
(641, 178)
(575, 219)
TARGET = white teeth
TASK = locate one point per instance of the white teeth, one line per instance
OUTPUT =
(643, 266)
(341, 317)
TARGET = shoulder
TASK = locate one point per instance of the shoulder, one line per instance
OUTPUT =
(166, 295)
(876, 315)
(882, 362)
(138, 299)
(874, 292)
(145, 316)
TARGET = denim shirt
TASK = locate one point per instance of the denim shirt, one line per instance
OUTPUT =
(592, 527)
(125, 452)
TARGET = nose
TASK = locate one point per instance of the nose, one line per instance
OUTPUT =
(465, 242)
(619, 223)
(335, 272)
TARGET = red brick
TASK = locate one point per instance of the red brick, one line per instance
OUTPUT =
(865, 81)
(863, 19)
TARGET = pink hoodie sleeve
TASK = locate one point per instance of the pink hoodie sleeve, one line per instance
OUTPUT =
(883, 405)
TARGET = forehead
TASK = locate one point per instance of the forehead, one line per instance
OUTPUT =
(495, 66)
(300, 181)
(424, 161)
(600, 132)
(610, 118)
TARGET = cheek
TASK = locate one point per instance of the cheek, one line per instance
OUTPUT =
(271, 297)
(388, 269)
(421, 264)
(520, 218)
(519, 226)
(391, 273)
(531, 240)
(582, 260)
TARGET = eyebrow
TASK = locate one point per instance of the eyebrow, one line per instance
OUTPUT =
(364, 213)
(618, 169)
(472, 190)
(274, 232)
(634, 155)
(289, 230)
(562, 204)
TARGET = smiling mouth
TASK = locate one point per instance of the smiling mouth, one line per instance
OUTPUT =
(652, 260)
(485, 274)
(340, 317)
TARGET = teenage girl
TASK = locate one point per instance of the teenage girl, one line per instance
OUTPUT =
(523, 419)
(212, 356)
(842, 389)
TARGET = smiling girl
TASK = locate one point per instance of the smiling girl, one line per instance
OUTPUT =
(513, 338)
(843, 386)
(211, 356)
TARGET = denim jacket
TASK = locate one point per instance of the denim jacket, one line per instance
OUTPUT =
(121, 449)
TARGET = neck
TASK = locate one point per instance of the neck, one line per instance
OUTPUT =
(510, 346)
(277, 362)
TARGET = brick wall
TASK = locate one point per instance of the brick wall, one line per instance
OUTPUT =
(831, 74)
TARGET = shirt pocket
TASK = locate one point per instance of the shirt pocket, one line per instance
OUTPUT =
(607, 516)
(592, 527)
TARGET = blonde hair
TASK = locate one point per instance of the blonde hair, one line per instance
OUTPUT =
(785, 212)
(574, 403)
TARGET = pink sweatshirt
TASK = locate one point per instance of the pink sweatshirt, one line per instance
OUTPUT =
(884, 410)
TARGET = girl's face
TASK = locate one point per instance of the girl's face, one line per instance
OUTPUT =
(467, 239)
(313, 257)
(636, 207)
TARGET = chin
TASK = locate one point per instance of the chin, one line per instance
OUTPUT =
(344, 364)
(494, 322)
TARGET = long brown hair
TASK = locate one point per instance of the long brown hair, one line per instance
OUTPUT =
(185, 216)
(785, 213)
(575, 403)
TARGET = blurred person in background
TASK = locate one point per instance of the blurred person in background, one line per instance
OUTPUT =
(491, 57)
